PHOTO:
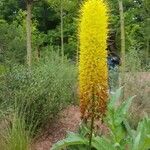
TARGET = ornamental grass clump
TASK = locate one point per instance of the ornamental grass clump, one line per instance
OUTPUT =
(93, 69)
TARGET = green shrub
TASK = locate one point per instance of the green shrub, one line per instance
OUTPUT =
(38, 95)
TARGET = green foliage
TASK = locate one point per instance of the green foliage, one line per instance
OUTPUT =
(120, 137)
(40, 94)
(8, 9)
(12, 43)
(2, 69)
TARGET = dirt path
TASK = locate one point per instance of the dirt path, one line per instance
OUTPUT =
(68, 120)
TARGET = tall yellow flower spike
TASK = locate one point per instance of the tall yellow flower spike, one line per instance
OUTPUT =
(93, 69)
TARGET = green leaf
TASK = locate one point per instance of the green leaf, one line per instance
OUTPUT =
(114, 98)
(137, 142)
(127, 127)
(141, 139)
(72, 139)
(121, 112)
(102, 144)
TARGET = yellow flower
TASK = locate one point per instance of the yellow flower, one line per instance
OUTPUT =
(93, 70)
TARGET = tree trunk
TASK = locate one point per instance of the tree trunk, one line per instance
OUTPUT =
(28, 32)
(78, 41)
(62, 32)
(122, 29)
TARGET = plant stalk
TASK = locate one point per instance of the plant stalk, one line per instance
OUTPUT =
(92, 121)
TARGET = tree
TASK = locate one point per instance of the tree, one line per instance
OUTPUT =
(122, 39)
(62, 31)
(146, 4)
(46, 20)
(62, 6)
(29, 31)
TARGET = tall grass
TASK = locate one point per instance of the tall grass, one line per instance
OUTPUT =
(14, 135)
(137, 82)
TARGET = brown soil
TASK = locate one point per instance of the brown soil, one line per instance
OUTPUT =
(68, 120)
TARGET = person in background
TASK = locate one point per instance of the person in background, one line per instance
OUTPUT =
(113, 61)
